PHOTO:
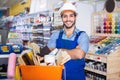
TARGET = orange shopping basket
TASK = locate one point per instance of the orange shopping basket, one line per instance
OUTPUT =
(41, 72)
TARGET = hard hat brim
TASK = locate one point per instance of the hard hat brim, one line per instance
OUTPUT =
(68, 7)
(67, 11)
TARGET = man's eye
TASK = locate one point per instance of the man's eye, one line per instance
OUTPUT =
(71, 15)
(64, 16)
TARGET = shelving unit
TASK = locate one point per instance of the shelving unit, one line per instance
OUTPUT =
(40, 35)
(34, 27)
(57, 19)
(96, 71)
(41, 31)
(107, 24)
(112, 61)
(104, 64)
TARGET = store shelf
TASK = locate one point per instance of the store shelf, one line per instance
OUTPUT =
(6, 55)
(3, 73)
(45, 29)
(41, 31)
(36, 37)
(97, 57)
(112, 62)
(95, 71)
(46, 37)
(104, 56)
(111, 35)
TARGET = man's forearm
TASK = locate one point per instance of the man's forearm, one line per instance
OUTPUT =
(76, 53)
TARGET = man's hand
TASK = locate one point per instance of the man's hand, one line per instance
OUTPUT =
(62, 57)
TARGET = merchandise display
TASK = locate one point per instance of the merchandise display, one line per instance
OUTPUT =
(96, 65)
(107, 23)
(9, 48)
(95, 76)
(24, 28)
(25, 32)
(103, 56)
(34, 27)
(104, 45)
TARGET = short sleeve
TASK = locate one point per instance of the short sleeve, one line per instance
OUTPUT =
(83, 42)
(52, 41)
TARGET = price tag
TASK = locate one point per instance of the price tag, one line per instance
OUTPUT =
(5, 48)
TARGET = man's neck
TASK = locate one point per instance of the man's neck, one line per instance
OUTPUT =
(70, 31)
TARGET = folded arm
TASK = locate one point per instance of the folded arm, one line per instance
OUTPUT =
(76, 53)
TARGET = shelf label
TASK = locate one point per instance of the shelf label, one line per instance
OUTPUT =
(5, 48)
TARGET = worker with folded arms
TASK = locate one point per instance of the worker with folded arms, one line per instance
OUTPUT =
(72, 40)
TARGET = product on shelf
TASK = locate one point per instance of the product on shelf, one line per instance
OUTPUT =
(33, 27)
(9, 48)
(94, 76)
(104, 45)
(107, 23)
(96, 65)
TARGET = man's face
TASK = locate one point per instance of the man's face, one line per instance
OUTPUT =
(68, 19)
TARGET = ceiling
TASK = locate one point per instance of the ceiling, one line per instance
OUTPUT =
(4, 4)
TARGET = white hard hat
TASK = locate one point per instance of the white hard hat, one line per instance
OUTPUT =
(68, 6)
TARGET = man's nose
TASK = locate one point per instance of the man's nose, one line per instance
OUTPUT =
(68, 18)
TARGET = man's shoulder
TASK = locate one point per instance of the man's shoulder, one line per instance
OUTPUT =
(79, 31)
(57, 31)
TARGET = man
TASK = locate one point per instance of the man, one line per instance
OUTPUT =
(72, 40)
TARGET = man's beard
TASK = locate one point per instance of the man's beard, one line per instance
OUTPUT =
(68, 27)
